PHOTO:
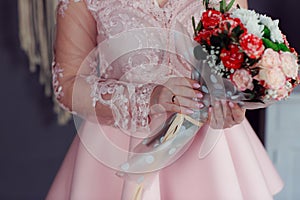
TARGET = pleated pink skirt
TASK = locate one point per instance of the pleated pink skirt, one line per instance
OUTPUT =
(238, 168)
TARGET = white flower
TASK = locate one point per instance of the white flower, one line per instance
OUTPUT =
(273, 25)
(250, 19)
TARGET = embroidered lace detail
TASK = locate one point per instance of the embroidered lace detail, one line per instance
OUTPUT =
(146, 12)
(119, 102)
(140, 114)
(129, 102)
(63, 6)
(57, 73)
(93, 5)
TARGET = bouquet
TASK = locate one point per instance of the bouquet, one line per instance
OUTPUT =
(248, 50)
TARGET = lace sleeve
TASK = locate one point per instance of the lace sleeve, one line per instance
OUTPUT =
(77, 83)
(130, 103)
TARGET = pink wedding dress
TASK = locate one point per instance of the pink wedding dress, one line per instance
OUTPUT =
(87, 67)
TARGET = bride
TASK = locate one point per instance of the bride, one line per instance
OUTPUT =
(122, 91)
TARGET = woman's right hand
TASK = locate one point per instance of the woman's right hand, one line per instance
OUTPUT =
(178, 94)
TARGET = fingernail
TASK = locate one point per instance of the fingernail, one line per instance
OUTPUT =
(199, 105)
(217, 104)
(196, 85)
(231, 105)
(188, 111)
(199, 95)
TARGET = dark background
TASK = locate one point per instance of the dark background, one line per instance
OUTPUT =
(32, 145)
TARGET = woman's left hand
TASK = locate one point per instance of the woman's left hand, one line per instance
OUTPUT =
(224, 114)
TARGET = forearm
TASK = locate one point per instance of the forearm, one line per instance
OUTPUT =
(105, 101)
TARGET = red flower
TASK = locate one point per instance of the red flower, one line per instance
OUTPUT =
(232, 57)
(211, 19)
(204, 36)
(233, 22)
(252, 45)
(293, 50)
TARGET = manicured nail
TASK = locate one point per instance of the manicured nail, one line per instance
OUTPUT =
(199, 95)
(217, 104)
(196, 85)
(188, 111)
(199, 105)
(231, 105)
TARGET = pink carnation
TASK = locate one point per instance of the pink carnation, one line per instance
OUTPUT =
(228, 24)
(270, 59)
(243, 80)
(289, 65)
(273, 78)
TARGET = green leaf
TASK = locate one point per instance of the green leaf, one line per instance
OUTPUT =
(194, 25)
(228, 26)
(229, 6)
(199, 27)
(275, 46)
(283, 47)
(267, 32)
(222, 6)
(206, 3)
(269, 44)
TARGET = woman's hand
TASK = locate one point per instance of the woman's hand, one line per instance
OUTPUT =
(178, 94)
(225, 114)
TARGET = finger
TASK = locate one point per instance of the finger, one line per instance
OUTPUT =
(188, 103)
(227, 113)
(209, 116)
(186, 92)
(187, 82)
(238, 113)
(218, 114)
(178, 109)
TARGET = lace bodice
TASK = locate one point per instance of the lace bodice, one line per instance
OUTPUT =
(118, 16)
(133, 73)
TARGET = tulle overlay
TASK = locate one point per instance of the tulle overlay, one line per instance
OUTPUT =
(237, 168)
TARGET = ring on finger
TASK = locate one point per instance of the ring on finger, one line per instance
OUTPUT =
(173, 98)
